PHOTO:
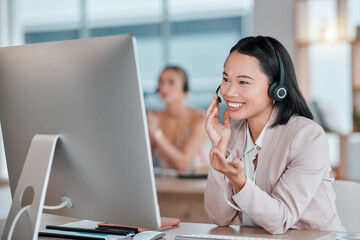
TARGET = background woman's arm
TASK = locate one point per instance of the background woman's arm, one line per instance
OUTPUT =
(181, 157)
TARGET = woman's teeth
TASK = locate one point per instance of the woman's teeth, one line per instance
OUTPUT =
(235, 105)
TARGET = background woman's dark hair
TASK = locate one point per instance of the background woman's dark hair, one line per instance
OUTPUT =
(263, 48)
(181, 72)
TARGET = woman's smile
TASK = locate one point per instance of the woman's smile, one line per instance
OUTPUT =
(234, 106)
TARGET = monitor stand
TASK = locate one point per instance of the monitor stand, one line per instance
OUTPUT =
(33, 182)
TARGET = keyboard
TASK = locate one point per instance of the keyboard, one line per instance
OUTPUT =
(216, 237)
(192, 175)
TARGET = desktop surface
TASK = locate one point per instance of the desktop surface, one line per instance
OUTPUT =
(201, 228)
(172, 184)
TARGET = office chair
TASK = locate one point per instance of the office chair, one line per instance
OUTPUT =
(347, 204)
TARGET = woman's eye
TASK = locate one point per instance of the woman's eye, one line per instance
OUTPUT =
(243, 82)
(226, 79)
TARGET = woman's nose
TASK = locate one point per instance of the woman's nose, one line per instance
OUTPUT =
(232, 91)
(162, 88)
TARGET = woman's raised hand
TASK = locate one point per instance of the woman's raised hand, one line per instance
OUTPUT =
(233, 170)
(214, 128)
(153, 122)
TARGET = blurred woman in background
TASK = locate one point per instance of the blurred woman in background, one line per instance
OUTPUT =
(177, 134)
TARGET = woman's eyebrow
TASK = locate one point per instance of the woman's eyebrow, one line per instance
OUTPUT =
(239, 76)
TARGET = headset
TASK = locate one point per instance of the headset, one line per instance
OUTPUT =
(186, 87)
(277, 90)
(217, 93)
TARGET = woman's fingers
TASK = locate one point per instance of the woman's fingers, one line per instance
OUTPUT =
(213, 114)
(237, 164)
(212, 105)
(212, 119)
(149, 114)
(218, 161)
(227, 119)
(222, 144)
(153, 121)
(220, 164)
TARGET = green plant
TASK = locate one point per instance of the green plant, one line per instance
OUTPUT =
(356, 118)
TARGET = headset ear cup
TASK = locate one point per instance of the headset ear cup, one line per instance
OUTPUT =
(272, 91)
(280, 92)
(277, 92)
(186, 87)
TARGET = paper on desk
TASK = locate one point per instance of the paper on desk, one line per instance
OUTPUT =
(82, 224)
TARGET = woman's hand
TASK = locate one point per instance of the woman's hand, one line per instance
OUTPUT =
(233, 170)
(213, 126)
(153, 123)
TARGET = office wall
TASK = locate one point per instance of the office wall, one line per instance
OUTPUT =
(275, 18)
(11, 32)
(4, 33)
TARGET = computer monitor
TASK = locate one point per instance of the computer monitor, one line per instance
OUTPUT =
(88, 91)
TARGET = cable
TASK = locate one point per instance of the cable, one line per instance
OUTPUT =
(15, 221)
(66, 202)
(61, 205)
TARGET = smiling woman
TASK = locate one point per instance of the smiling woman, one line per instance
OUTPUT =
(245, 87)
(270, 167)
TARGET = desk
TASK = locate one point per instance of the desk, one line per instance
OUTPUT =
(198, 228)
(182, 198)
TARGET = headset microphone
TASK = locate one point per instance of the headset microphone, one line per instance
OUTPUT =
(217, 92)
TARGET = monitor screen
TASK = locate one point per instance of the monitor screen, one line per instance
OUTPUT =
(88, 91)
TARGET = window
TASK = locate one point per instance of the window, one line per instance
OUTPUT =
(353, 19)
(329, 65)
(196, 35)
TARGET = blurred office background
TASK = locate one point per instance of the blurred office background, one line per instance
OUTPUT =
(322, 36)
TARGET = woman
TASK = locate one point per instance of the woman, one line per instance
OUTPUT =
(178, 138)
(271, 166)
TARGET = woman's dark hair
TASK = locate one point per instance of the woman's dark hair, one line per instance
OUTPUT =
(182, 74)
(263, 49)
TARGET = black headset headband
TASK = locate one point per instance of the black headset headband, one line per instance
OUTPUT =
(281, 65)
